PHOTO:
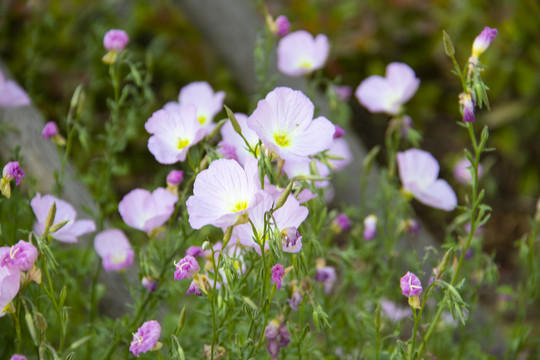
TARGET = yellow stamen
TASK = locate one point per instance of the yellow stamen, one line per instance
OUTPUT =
(201, 119)
(306, 65)
(182, 143)
(239, 206)
(282, 139)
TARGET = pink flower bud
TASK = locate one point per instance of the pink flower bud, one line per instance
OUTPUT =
(482, 41)
(466, 104)
(12, 171)
(186, 268)
(277, 274)
(175, 177)
(283, 25)
(115, 40)
(339, 132)
(370, 227)
(49, 130)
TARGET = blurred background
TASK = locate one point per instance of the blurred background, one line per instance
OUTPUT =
(52, 46)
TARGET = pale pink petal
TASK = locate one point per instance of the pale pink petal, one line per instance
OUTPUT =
(299, 53)
(12, 95)
(417, 167)
(114, 248)
(9, 286)
(438, 195)
(403, 80)
(318, 137)
(376, 95)
(291, 214)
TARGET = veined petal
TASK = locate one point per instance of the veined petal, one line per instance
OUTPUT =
(438, 195)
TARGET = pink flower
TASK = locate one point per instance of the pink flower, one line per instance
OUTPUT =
(114, 249)
(223, 193)
(233, 146)
(186, 268)
(18, 357)
(370, 227)
(277, 274)
(482, 41)
(326, 275)
(410, 285)
(12, 171)
(10, 280)
(207, 102)
(20, 257)
(194, 289)
(283, 25)
(147, 211)
(303, 168)
(49, 130)
(462, 171)
(299, 53)
(146, 338)
(292, 240)
(284, 122)
(388, 94)
(393, 311)
(11, 94)
(418, 171)
(115, 40)
(341, 223)
(195, 251)
(149, 283)
(64, 211)
(466, 104)
(175, 129)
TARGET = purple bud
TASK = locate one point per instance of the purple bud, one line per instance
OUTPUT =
(227, 151)
(370, 227)
(115, 40)
(175, 177)
(482, 41)
(18, 357)
(339, 132)
(342, 222)
(296, 298)
(277, 274)
(462, 171)
(467, 107)
(283, 25)
(407, 124)
(186, 268)
(326, 275)
(49, 130)
(12, 171)
(412, 226)
(149, 284)
(410, 285)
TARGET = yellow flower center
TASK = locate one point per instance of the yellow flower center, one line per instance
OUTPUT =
(117, 259)
(306, 64)
(282, 139)
(239, 206)
(201, 119)
(182, 143)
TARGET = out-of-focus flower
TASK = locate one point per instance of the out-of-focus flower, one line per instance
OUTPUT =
(277, 274)
(194, 289)
(147, 211)
(175, 177)
(370, 227)
(341, 223)
(12, 171)
(195, 251)
(466, 104)
(20, 257)
(18, 357)
(482, 41)
(410, 285)
(207, 102)
(223, 193)
(186, 268)
(388, 94)
(10, 280)
(393, 311)
(462, 171)
(412, 226)
(73, 228)
(233, 146)
(326, 275)
(149, 283)
(343, 92)
(299, 53)
(292, 240)
(146, 338)
(114, 249)
(418, 171)
(278, 336)
(174, 130)
(115, 40)
(282, 25)
(284, 122)
(11, 94)
(296, 297)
